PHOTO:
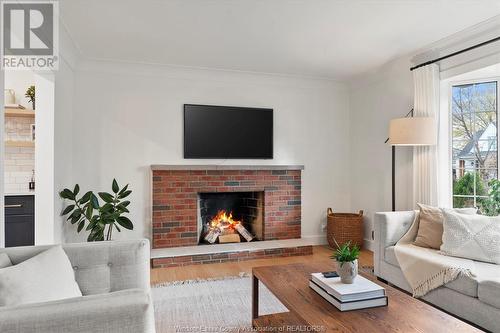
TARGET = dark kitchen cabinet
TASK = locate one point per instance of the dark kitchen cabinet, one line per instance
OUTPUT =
(19, 220)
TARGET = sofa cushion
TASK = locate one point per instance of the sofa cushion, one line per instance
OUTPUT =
(4, 260)
(45, 277)
(464, 285)
(390, 256)
(483, 272)
(488, 276)
(489, 292)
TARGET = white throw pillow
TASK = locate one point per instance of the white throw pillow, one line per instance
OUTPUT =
(45, 277)
(474, 237)
(5, 260)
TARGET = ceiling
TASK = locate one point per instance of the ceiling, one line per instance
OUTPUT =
(334, 39)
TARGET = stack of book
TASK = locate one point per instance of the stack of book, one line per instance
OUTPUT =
(361, 294)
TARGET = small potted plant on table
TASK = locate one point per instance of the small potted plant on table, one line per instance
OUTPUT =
(347, 259)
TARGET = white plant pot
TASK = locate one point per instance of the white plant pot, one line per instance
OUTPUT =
(347, 271)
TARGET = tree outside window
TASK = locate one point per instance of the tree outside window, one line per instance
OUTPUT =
(474, 142)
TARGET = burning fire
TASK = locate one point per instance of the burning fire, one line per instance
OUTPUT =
(223, 225)
(223, 220)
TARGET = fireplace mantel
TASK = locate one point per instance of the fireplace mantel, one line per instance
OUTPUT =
(156, 167)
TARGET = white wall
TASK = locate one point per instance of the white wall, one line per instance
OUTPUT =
(63, 143)
(19, 81)
(128, 117)
(374, 100)
(45, 215)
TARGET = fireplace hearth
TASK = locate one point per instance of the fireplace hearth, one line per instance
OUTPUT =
(230, 217)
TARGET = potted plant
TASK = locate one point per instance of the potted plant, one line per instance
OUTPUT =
(101, 219)
(347, 259)
(30, 95)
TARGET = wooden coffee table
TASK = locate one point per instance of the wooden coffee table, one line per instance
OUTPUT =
(307, 309)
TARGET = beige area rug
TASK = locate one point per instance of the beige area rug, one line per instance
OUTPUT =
(216, 305)
(219, 305)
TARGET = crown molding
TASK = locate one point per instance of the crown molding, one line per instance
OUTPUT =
(473, 35)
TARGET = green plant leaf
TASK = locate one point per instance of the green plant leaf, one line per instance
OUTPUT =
(125, 222)
(89, 227)
(88, 211)
(80, 226)
(122, 208)
(106, 197)
(68, 209)
(96, 234)
(107, 208)
(124, 194)
(76, 190)
(86, 197)
(94, 201)
(67, 194)
(123, 189)
(117, 227)
(125, 203)
(93, 223)
(115, 186)
(346, 253)
(74, 218)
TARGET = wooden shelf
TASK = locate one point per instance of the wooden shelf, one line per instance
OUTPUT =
(19, 143)
(19, 113)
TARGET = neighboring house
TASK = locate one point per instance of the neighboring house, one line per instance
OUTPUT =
(483, 144)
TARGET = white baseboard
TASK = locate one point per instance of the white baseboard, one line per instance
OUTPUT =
(321, 240)
(315, 240)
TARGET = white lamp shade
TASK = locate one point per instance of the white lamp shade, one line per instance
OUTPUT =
(417, 131)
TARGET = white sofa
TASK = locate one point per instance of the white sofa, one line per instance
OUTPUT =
(114, 279)
(475, 300)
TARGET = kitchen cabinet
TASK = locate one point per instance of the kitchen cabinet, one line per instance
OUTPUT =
(19, 220)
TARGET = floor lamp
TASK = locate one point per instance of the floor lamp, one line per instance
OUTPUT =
(410, 131)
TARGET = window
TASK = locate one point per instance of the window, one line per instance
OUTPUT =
(474, 141)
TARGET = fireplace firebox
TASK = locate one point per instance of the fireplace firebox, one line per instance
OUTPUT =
(230, 217)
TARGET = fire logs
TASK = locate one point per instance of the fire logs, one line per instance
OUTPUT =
(212, 235)
(225, 229)
(229, 238)
(244, 232)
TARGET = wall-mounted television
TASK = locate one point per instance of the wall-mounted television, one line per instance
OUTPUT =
(227, 132)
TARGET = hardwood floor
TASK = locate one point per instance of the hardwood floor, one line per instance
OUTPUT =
(320, 254)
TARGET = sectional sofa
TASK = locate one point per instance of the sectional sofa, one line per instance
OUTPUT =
(476, 300)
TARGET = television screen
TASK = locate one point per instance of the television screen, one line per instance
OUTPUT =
(227, 132)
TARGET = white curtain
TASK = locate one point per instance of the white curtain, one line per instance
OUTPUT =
(425, 160)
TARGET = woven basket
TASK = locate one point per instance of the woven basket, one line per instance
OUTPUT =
(344, 227)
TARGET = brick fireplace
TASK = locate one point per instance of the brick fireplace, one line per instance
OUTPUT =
(178, 190)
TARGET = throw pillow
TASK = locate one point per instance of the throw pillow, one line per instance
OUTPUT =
(430, 229)
(45, 277)
(475, 237)
(4, 260)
